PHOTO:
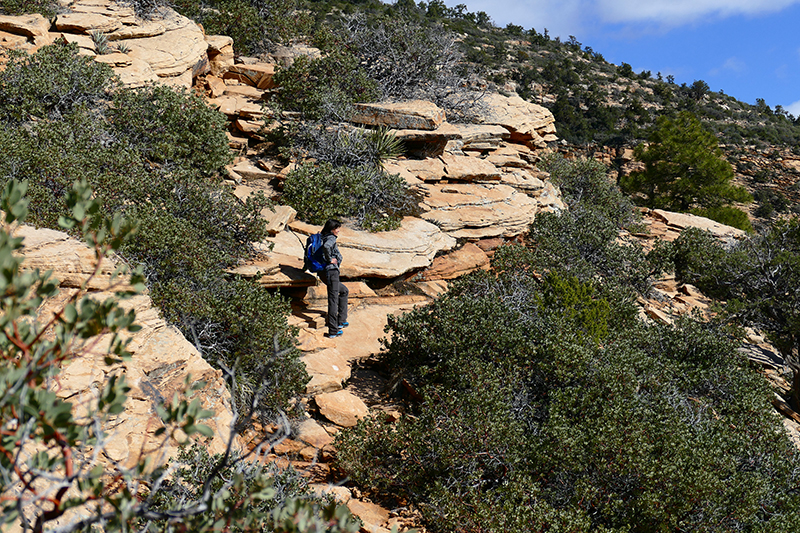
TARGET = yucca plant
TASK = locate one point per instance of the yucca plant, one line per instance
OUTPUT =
(100, 41)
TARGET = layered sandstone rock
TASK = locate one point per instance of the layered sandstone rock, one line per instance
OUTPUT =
(386, 254)
(162, 359)
(527, 123)
(476, 211)
(409, 115)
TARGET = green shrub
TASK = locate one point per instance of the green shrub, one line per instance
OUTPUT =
(324, 87)
(373, 198)
(728, 215)
(585, 182)
(524, 418)
(23, 7)
(155, 155)
(51, 83)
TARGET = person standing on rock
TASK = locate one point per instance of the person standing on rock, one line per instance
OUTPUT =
(337, 292)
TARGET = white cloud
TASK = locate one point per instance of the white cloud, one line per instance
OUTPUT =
(794, 108)
(676, 12)
(579, 17)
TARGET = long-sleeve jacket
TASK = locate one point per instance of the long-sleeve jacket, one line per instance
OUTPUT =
(330, 250)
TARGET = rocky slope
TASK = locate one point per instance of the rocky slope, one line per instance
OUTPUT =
(479, 184)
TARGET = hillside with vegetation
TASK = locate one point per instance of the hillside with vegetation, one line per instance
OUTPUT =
(533, 393)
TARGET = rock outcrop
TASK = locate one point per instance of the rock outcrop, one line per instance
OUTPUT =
(169, 48)
(162, 358)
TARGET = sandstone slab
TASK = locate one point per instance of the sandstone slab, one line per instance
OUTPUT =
(162, 359)
(457, 263)
(328, 369)
(431, 169)
(258, 75)
(310, 432)
(86, 23)
(35, 27)
(148, 28)
(677, 222)
(465, 168)
(477, 211)
(137, 74)
(410, 115)
(179, 49)
(372, 515)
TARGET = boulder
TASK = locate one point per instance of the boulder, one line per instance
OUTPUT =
(372, 515)
(411, 115)
(385, 254)
(181, 48)
(528, 123)
(328, 369)
(220, 54)
(237, 106)
(310, 432)
(278, 217)
(341, 407)
(216, 87)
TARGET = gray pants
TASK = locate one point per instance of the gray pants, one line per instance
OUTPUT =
(337, 299)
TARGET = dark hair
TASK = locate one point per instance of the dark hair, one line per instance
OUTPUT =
(331, 225)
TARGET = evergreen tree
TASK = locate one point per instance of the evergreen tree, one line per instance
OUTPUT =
(684, 169)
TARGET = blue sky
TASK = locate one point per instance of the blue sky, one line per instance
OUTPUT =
(747, 48)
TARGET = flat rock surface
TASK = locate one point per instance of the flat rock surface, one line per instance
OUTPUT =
(479, 210)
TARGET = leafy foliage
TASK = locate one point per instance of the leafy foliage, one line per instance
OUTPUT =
(375, 199)
(154, 155)
(758, 278)
(51, 84)
(582, 241)
(532, 418)
(324, 87)
(24, 7)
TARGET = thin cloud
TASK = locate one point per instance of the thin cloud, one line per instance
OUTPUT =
(581, 17)
(676, 12)
(794, 109)
(732, 64)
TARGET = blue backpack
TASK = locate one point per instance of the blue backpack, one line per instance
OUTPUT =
(312, 258)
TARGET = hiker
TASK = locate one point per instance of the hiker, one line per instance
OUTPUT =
(337, 292)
